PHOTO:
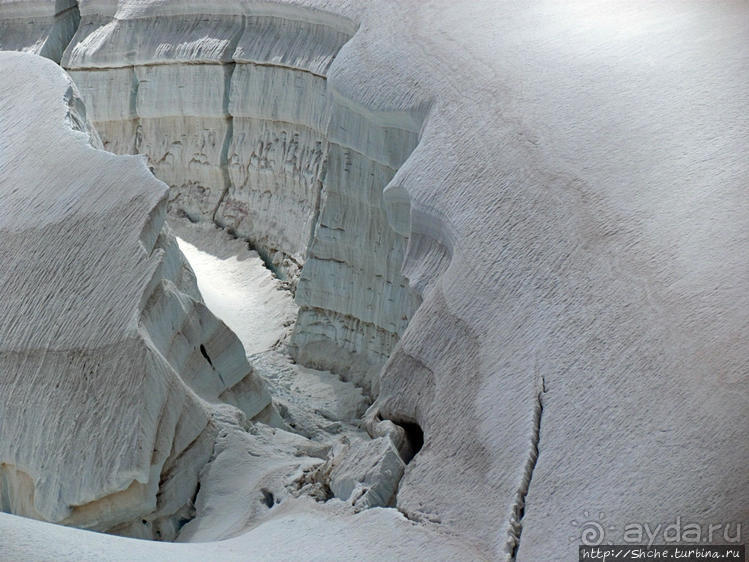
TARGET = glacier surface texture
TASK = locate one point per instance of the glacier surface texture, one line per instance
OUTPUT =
(486, 264)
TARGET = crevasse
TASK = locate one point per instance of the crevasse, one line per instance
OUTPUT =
(234, 113)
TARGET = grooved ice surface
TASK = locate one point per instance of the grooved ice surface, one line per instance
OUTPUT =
(104, 338)
(576, 217)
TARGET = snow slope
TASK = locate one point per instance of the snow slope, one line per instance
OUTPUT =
(236, 286)
(306, 531)
(575, 213)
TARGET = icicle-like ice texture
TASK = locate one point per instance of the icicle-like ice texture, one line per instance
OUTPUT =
(108, 358)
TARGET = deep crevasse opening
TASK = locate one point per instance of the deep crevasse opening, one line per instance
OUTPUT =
(240, 290)
(249, 136)
(257, 144)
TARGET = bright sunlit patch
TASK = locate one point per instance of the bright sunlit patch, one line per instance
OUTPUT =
(243, 293)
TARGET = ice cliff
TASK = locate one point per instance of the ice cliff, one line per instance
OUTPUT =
(234, 112)
(109, 359)
(43, 27)
(533, 214)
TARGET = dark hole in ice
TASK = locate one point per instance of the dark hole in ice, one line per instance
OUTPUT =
(414, 440)
(268, 498)
(205, 354)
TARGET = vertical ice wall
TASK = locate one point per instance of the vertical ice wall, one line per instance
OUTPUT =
(42, 27)
(108, 357)
(234, 112)
(145, 98)
(354, 301)
(278, 149)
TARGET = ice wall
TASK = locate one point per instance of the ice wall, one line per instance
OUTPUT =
(233, 110)
(109, 360)
(42, 27)
(576, 217)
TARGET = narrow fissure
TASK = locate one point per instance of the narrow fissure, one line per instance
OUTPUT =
(518, 509)
(205, 354)
(224, 156)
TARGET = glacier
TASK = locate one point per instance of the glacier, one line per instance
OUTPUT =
(104, 336)
(235, 114)
(515, 229)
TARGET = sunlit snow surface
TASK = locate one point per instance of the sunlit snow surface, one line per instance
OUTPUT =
(237, 286)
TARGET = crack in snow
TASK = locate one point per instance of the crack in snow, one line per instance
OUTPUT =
(518, 509)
